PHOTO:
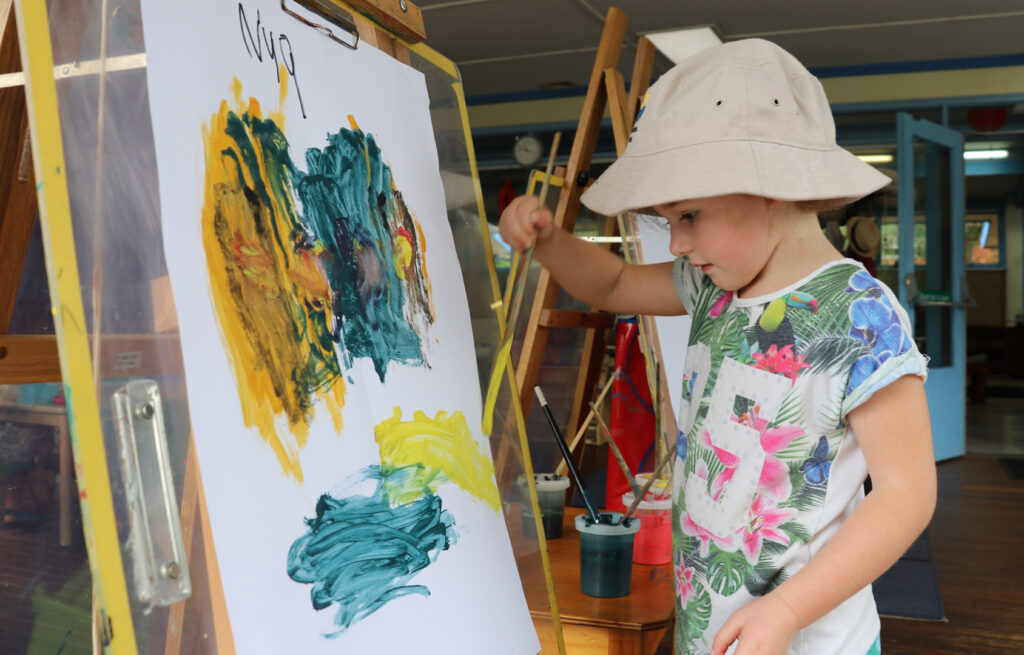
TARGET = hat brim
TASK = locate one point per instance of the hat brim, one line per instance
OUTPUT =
(719, 168)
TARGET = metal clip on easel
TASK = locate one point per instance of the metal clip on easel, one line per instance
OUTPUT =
(331, 13)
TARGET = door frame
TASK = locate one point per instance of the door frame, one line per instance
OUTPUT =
(946, 385)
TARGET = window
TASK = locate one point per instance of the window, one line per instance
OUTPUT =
(983, 238)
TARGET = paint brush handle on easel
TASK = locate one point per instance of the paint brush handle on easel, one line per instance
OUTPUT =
(573, 469)
(615, 450)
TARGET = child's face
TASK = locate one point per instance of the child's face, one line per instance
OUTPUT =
(731, 238)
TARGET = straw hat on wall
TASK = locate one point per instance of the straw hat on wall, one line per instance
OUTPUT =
(864, 237)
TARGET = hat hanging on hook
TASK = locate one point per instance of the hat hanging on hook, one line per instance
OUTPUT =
(864, 237)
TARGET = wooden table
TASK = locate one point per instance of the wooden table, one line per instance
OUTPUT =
(57, 417)
(630, 625)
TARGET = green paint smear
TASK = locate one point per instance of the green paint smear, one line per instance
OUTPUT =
(360, 552)
(351, 206)
(351, 214)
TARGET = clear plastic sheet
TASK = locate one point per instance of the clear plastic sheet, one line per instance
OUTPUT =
(115, 209)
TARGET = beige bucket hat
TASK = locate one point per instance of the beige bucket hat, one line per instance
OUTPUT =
(741, 117)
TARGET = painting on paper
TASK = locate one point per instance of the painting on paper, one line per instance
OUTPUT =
(329, 360)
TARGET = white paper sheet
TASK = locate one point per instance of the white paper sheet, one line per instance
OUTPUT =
(202, 54)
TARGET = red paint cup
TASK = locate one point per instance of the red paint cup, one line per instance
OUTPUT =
(653, 543)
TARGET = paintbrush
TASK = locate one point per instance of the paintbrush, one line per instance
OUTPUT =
(524, 266)
(560, 469)
(514, 300)
(615, 450)
(573, 469)
(647, 487)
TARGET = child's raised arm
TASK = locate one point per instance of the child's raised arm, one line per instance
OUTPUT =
(589, 272)
(895, 434)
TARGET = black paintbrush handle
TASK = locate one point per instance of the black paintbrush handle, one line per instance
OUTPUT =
(570, 462)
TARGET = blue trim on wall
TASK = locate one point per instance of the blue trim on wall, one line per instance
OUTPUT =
(522, 96)
(1006, 99)
(928, 65)
(881, 68)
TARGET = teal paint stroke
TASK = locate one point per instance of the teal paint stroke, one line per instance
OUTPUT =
(347, 209)
(352, 206)
(359, 552)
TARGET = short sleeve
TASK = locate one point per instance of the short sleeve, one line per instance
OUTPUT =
(880, 323)
(685, 279)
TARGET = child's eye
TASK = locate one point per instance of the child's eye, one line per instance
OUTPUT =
(689, 216)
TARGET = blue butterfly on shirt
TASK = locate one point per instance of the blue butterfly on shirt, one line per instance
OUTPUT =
(817, 467)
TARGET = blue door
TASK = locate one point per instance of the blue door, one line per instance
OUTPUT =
(932, 288)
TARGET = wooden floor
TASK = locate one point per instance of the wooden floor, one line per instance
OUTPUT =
(977, 536)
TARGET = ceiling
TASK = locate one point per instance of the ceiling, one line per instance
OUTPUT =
(505, 46)
(529, 46)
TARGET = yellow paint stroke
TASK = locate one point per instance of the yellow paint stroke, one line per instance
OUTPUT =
(401, 254)
(272, 301)
(446, 450)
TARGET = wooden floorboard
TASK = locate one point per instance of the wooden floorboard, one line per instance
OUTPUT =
(976, 535)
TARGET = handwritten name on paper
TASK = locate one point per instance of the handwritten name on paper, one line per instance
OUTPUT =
(263, 44)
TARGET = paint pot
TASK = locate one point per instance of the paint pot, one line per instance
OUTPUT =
(654, 540)
(658, 491)
(606, 555)
(551, 499)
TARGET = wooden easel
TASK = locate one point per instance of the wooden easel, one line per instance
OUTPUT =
(606, 90)
(23, 359)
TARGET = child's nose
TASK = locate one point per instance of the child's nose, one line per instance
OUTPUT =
(679, 244)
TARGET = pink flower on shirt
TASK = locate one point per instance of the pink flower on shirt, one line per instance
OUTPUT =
(705, 536)
(782, 361)
(774, 481)
(684, 586)
(729, 460)
(763, 522)
(720, 304)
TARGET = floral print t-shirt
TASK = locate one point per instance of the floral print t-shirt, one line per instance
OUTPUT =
(766, 466)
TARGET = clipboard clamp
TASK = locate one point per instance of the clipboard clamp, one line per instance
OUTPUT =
(330, 12)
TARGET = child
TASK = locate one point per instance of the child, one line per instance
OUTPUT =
(801, 372)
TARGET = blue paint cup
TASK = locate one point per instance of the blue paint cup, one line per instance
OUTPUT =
(551, 499)
(606, 555)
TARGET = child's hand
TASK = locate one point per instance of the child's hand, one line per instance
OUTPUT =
(523, 225)
(764, 627)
